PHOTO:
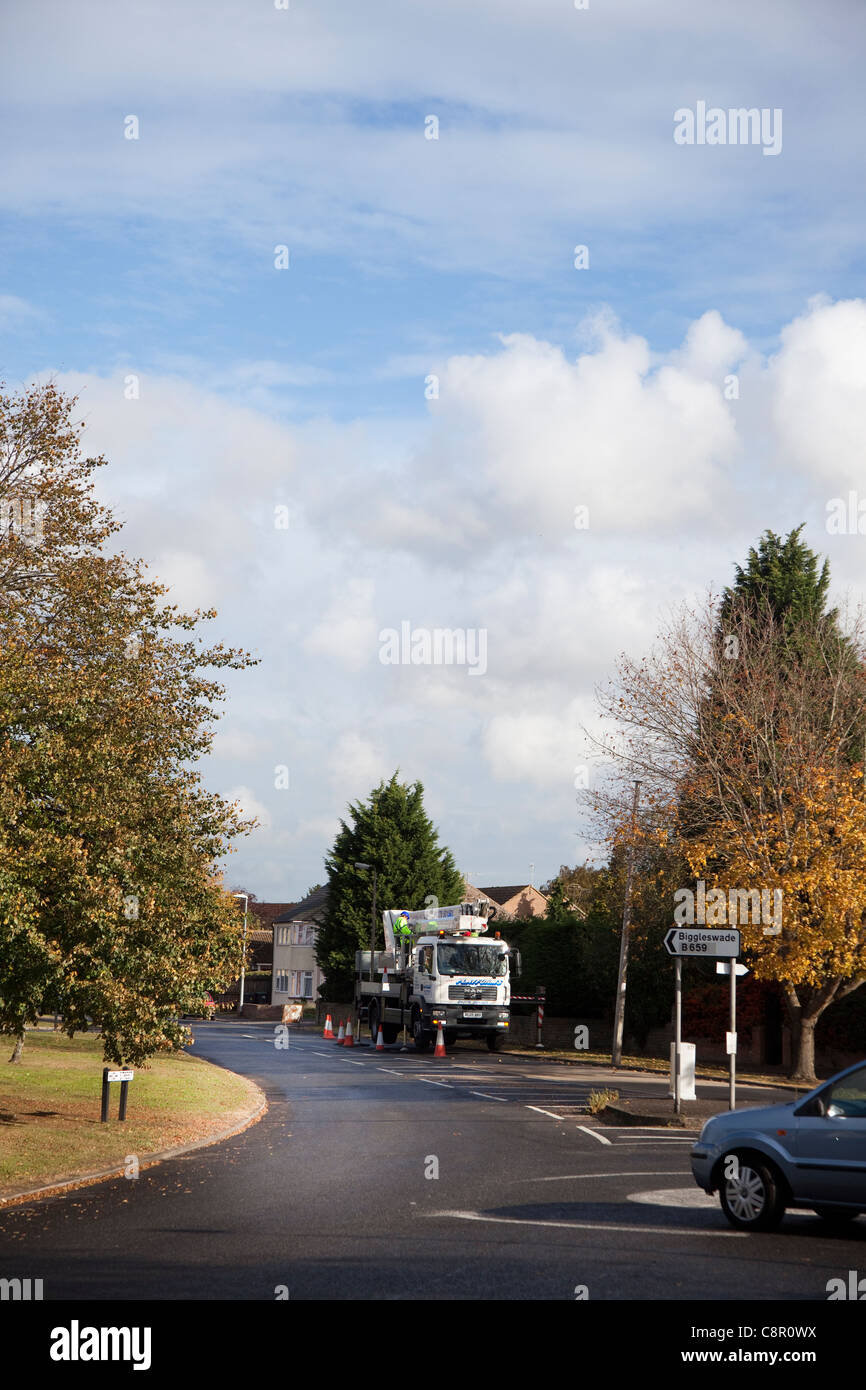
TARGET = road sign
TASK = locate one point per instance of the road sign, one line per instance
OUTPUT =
(684, 941)
(723, 967)
(124, 1075)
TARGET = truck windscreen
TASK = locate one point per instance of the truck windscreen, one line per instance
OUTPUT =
(471, 958)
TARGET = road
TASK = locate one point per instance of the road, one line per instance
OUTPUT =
(334, 1195)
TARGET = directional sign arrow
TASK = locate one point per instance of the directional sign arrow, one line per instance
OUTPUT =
(702, 941)
(723, 967)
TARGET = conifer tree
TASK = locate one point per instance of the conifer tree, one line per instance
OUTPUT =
(392, 831)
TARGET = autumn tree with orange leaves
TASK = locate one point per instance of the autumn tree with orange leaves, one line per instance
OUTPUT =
(746, 727)
(111, 905)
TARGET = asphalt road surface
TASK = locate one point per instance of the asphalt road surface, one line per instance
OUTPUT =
(400, 1176)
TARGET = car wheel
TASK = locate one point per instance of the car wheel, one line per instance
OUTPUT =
(837, 1216)
(754, 1200)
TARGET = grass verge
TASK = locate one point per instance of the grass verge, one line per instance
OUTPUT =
(50, 1128)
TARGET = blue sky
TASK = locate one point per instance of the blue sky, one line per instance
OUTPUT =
(454, 257)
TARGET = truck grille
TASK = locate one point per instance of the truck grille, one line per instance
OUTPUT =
(479, 992)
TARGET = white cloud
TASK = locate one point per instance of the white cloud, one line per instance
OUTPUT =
(347, 631)
(818, 379)
(642, 448)
(355, 765)
(469, 523)
(15, 312)
(249, 804)
(538, 746)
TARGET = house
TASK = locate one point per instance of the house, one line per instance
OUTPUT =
(296, 973)
(519, 900)
(260, 933)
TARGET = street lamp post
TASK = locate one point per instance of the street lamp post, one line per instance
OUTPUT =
(246, 898)
(373, 919)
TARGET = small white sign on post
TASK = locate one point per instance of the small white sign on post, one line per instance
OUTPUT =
(731, 1044)
(120, 1075)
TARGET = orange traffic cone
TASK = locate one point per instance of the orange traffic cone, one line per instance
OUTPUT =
(380, 1041)
(440, 1043)
(341, 1035)
(329, 1028)
(349, 1040)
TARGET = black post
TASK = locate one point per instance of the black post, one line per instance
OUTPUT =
(124, 1087)
(732, 1079)
(678, 1030)
(105, 1092)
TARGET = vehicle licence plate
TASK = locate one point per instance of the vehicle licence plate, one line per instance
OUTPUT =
(472, 1013)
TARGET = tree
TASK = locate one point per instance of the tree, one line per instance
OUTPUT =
(577, 886)
(786, 575)
(391, 831)
(746, 763)
(111, 907)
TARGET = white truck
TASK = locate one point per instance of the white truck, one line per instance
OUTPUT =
(437, 967)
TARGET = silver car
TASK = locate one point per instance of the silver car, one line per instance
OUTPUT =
(808, 1153)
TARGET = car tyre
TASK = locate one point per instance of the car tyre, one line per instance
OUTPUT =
(755, 1199)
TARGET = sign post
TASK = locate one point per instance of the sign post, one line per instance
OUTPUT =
(732, 968)
(732, 1043)
(678, 1029)
(124, 1077)
(703, 943)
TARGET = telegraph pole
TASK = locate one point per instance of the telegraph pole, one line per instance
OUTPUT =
(619, 1014)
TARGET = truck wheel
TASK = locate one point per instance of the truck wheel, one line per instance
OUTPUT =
(420, 1034)
(389, 1032)
(495, 1041)
(373, 1017)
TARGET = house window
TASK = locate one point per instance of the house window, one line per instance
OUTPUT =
(282, 984)
(283, 935)
(307, 991)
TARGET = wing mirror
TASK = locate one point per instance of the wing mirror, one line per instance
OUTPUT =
(812, 1107)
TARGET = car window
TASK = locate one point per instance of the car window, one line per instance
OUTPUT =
(848, 1096)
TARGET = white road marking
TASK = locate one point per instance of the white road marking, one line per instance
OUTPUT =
(321, 1054)
(356, 1064)
(392, 1070)
(545, 1112)
(600, 1137)
(428, 1082)
(652, 1129)
(585, 1225)
(675, 1197)
(577, 1177)
(484, 1096)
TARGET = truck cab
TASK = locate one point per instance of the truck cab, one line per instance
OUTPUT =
(461, 981)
